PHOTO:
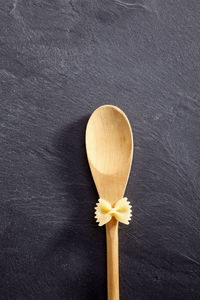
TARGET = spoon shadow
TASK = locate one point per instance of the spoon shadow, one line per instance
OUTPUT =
(79, 248)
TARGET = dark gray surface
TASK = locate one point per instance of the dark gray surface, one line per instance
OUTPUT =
(59, 60)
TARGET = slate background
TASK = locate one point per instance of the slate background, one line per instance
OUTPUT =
(59, 60)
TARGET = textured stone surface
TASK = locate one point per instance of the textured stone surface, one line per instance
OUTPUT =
(59, 60)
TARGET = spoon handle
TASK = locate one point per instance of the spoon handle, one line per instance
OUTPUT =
(112, 259)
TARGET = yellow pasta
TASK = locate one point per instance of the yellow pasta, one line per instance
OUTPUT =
(121, 211)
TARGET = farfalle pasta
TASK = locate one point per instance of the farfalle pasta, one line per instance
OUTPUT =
(121, 211)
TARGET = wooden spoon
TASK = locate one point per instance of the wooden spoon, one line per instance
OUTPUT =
(109, 146)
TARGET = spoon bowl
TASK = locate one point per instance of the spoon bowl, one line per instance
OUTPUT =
(109, 145)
